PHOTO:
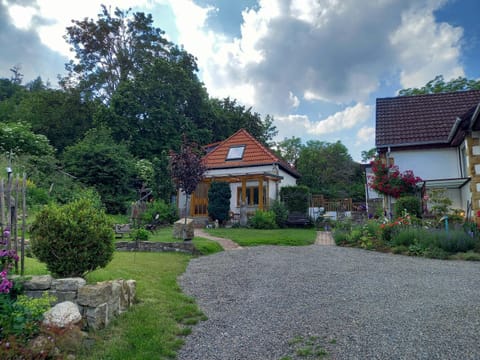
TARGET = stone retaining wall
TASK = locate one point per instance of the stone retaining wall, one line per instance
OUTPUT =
(98, 303)
(184, 247)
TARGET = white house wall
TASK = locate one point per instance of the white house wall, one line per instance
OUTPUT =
(466, 196)
(429, 164)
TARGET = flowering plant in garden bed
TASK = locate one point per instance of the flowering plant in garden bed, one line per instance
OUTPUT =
(409, 235)
(7, 259)
(389, 180)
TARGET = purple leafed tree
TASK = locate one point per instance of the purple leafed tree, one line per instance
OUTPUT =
(187, 169)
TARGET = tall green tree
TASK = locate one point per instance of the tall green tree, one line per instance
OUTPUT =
(18, 138)
(164, 103)
(98, 161)
(11, 94)
(368, 155)
(112, 49)
(439, 85)
(62, 116)
(289, 149)
(328, 169)
(229, 116)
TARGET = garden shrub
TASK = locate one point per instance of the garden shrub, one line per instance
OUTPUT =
(140, 234)
(22, 316)
(295, 198)
(455, 241)
(167, 214)
(355, 236)
(436, 253)
(468, 256)
(440, 202)
(263, 220)
(387, 232)
(373, 228)
(341, 237)
(345, 224)
(281, 213)
(219, 196)
(401, 249)
(411, 204)
(429, 238)
(415, 250)
(406, 236)
(72, 239)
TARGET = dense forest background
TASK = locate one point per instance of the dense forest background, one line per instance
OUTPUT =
(129, 98)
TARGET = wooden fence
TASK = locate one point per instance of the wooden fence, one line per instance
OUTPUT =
(338, 205)
(13, 207)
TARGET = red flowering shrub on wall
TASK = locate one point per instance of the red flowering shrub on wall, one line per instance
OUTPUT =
(389, 180)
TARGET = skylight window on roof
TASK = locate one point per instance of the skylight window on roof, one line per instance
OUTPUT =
(235, 152)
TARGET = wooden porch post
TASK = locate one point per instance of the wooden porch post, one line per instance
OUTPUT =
(244, 189)
(260, 193)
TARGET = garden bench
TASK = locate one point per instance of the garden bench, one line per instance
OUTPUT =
(297, 219)
(122, 229)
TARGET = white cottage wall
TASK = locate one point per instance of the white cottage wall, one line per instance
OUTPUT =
(430, 164)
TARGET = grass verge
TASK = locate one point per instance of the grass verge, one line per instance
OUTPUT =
(255, 237)
(153, 328)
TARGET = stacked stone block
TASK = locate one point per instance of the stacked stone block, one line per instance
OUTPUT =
(98, 303)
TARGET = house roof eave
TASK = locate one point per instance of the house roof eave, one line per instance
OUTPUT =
(475, 116)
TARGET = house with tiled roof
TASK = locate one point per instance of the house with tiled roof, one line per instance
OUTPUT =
(438, 137)
(255, 174)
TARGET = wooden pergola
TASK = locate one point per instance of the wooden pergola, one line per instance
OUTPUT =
(199, 199)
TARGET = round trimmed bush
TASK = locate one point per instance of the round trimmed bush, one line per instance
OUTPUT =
(412, 204)
(72, 239)
(263, 220)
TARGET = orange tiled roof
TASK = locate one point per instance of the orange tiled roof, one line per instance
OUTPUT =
(255, 154)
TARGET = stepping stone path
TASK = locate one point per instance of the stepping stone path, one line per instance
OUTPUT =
(227, 244)
(324, 238)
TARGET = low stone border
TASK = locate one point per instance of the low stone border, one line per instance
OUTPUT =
(150, 246)
(98, 303)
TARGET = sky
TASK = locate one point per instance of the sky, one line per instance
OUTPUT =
(317, 66)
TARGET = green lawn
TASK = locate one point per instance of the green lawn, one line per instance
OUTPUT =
(254, 237)
(153, 328)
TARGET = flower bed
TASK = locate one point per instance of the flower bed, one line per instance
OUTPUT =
(411, 236)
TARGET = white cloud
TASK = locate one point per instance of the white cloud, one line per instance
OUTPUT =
(365, 135)
(301, 125)
(342, 120)
(426, 48)
(21, 16)
(293, 100)
(327, 50)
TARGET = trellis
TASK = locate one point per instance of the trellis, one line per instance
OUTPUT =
(13, 207)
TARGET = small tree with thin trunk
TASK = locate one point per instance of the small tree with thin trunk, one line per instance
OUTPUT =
(187, 170)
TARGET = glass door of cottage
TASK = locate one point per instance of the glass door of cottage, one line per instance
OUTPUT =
(199, 201)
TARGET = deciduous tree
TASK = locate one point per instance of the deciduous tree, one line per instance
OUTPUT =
(289, 149)
(187, 169)
(328, 169)
(439, 85)
(112, 49)
(98, 161)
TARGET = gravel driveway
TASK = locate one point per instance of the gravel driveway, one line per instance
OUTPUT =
(301, 302)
